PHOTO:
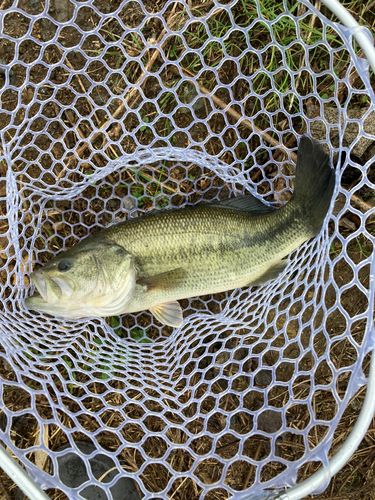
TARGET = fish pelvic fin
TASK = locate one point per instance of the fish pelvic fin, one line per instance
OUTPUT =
(314, 184)
(169, 313)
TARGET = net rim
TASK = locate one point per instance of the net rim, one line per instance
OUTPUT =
(324, 474)
(30, 488)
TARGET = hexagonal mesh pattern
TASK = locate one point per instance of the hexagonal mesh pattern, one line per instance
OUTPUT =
(110, 110)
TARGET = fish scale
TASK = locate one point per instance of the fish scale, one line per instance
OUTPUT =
(153, 261)
(218, 249)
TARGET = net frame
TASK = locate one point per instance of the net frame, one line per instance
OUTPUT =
(11, 181)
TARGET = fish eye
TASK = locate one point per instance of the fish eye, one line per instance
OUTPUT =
(64, 265)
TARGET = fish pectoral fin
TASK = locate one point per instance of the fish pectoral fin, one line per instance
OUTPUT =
(169, 313)
(245, 203)
(271, 273)
(162, 280)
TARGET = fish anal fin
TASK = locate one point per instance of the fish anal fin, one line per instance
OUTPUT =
(169, 313)
(271, 273)
(162, 280)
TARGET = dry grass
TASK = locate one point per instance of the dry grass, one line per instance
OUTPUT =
(357, 479)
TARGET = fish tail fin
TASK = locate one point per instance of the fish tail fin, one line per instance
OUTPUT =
(314, 183)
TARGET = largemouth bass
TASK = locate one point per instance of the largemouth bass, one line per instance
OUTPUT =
(151, 262)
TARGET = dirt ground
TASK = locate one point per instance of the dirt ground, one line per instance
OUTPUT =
(357, 479)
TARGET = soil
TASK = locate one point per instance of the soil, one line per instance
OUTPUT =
(90, 132)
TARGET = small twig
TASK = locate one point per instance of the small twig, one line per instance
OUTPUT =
(226, 107)
(41, 457)
(247, 482)
(165, 186)
(78, 129)
(123, 104)
(3, 492)
(179, 486)
(367, 8)
(219, 102)
(360, 203)
(103, 476)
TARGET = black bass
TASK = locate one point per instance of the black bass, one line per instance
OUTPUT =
(153, 261)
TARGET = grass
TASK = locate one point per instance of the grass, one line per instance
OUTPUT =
(152, 186)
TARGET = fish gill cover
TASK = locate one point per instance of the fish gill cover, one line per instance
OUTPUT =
(110, 110)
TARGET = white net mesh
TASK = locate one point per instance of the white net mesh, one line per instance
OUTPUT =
(113, 109)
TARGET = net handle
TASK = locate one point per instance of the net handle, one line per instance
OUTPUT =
(359, 31)
(20, 477)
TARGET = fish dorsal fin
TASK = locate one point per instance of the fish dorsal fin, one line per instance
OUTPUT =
(245, 203)
(169, 313)
(162, 280)
(271, 273)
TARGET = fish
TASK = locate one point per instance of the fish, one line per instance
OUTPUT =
(153, 261)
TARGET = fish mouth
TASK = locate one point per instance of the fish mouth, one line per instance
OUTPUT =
(46, 294)
(46, 288)
(48, 297)
(40, 283)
